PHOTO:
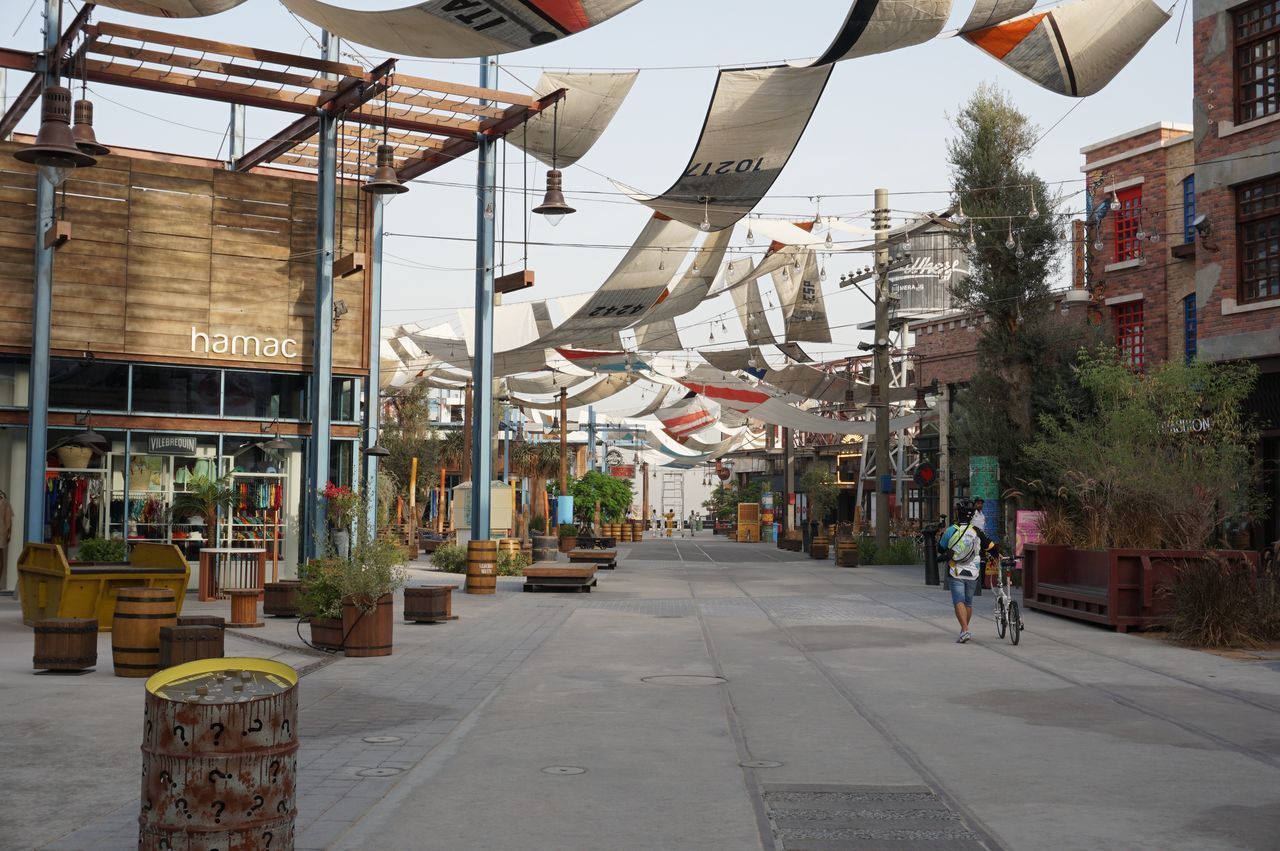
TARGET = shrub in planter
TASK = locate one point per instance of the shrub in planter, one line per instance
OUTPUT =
(568, 537)
(101, 550)
(537, 525)
(451, 558)
(512, 564)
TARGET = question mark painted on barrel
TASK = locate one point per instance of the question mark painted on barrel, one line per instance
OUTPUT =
(254, 728)
(146, 808)
(218, 807)
(165, 846)
(267, 836)
(215, 775)
(257, 805)
(282, 807)
(275, 769)
(148, 729)
(181, 732)
(217, 732)
(284, 726)
(181, 804)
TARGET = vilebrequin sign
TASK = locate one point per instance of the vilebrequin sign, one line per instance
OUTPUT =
(245, 345)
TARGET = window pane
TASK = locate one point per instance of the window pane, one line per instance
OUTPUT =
(1258, 211)
(88, 385)
(341, 455)
(265, 394)
(1189, 327)
(343, 406)
(1128, 219)
(175, 390)
(1189, 209)
(13, 382)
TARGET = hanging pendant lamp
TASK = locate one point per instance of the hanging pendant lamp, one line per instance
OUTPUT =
(553, 205)
(54, 149)
(383, 182)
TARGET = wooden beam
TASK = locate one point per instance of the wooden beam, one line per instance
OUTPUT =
(407, 119)
(20, 105)
(20, 60)
(442, 104)
(173, 82)
(465, 91)
(514, 116)
(216, 66)
(453, 150)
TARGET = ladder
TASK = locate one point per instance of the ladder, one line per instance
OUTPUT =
(673, 500)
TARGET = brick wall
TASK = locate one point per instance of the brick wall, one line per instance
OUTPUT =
(1227, 155)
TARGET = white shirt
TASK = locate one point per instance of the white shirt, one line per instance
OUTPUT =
(979, 520)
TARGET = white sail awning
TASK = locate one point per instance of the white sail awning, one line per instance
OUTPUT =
(171, 8)
(560, 136)
(879, 26)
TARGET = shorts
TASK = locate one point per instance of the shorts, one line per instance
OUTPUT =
(962, 591)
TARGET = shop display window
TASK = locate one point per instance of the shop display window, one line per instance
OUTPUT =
(176, 390)
(88, 385)
(265, 395)
(13, 383)
(343, 407)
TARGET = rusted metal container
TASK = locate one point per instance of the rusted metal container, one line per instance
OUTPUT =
(219, 756)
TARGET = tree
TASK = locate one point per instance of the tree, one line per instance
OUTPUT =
(407, 432)
(537, 461)
(724, 500)
(1026, 350)
(615, 496)
(823, 492)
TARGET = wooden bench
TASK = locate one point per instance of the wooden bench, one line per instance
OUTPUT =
(603, 559)
(559, 577)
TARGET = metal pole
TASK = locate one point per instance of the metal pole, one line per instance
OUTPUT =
(884, 462)
(467, 421)
(591, 438)
(372, 395)
(564, 442)
(482, 362)
(41, 312)
(644, 506)
(322, 319)
(789, 479)
(235, 135)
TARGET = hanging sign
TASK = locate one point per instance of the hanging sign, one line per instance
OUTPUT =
(171, 444)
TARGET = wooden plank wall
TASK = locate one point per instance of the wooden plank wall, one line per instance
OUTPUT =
(160, 247)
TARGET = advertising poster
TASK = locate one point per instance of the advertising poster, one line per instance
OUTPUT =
(1027, 532)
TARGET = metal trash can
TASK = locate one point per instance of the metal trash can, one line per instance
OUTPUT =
(929, 542)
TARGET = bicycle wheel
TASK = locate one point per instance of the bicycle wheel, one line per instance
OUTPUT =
(1001, 617)
(1015, 622)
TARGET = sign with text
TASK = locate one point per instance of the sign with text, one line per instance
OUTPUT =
(623, 471)
(171, 444)
(1027, 530)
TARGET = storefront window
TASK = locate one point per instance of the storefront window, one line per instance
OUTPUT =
(341, 460)
(343, 407)
(13, 383)
(265, 395)
(88, 385)
(176, 390)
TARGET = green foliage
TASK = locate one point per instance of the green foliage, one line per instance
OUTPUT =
(899, 551)
(537, 525)
(204, 498)
(823, 492)
(451, 558)
(1133, 466)
(567, 530)
(102, 550)
(1219, 604)
(320, 594)
(615, 496)
(374, 569)
(724, 500)
(512, 563)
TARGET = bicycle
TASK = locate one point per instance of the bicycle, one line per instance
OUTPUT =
(1008, 617)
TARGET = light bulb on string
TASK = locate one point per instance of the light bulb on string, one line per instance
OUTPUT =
(662, 261)
(1008, 243)
(706, 214)
(1020, 253)
(822, 273)
(829, 243)
(723, 327)
(1098, 244)
(1035, 211)
(695, 266)
(973, 240)
(959, 218)
(751, 237)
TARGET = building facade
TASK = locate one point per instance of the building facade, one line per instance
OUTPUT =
(181, 332)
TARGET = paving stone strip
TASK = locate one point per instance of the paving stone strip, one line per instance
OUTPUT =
(864, 818)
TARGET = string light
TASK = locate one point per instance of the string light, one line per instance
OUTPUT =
(1035, 211)
(706, 214)
(751, 237)
(1008, 243)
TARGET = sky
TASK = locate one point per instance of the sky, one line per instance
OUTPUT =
(882, 122)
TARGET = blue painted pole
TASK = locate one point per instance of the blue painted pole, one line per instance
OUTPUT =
(41, 314)
(482, 361)
(372, 396)
(322, 322)
(591, 438)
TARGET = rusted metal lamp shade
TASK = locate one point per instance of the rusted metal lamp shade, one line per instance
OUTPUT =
(86, 139)
(55, 145)
(553, 205)
(384, 181)
(91, 439)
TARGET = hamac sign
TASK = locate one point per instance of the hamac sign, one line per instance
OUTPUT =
(245, 345)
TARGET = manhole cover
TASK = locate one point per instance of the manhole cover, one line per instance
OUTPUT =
(684, 680)
(564, 769)
(378, 772)
(380, 740)
(761, 763)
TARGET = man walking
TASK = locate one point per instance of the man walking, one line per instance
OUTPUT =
(962, 546)
(979, 517)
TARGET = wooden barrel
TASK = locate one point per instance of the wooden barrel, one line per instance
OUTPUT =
(846, 552)
(218, 770)
(431, 604)
(482, 567)
(625, 532)
(135, 637)
(545, 548)
(637, 530)
(818, 547)
(65, 644)
(180, 644)
(367, 633)
(326, 633)
(526, 547)
(280, 599)
(509, 545)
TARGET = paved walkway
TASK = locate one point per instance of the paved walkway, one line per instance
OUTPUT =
(707, 695)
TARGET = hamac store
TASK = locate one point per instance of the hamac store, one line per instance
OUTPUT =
(181, 333)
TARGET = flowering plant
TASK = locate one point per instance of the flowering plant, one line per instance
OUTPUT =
(340, 504)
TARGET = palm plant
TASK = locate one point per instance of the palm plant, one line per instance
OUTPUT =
(204, 498)
(538, 461)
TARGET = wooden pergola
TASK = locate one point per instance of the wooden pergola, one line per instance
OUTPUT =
(427, 122)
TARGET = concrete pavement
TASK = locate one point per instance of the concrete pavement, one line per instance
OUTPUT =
(707, 695)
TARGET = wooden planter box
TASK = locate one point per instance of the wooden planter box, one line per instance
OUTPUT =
(367, 634)
(568, 543)
(1120, 588)
(326, 633)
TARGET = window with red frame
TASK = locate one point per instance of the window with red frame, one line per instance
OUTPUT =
(1258, 221)
(1128, 219)
(1129, 337)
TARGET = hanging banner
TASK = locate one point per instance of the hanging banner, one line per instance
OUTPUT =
(560, 136)
(754, 122)
(1074, 49)
(879, 26)
(691, 414)
(658, 331)
(988, 13)
(458, 29)
(171, 8)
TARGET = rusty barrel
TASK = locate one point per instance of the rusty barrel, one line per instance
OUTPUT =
(818, 547)
(135, 635)
(219, 756)
(180, 644)
(482, 567)
(280, 599)
(429, 604)
(545, 548)
(65, 644)
(846, 552)
(366, 629)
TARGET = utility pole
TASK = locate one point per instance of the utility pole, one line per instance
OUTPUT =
(564, 449)
(644, 506)
(466, 434)
(482, 445)
(884, 463)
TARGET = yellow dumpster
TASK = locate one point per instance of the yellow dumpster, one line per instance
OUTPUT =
(49, 587)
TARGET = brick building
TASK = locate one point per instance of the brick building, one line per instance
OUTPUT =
(1237, 202)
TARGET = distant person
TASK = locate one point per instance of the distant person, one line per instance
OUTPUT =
(657, 524)
(979, 519)
(962, 547)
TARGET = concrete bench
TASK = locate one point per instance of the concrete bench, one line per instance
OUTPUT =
(554, 576)
(603, 559)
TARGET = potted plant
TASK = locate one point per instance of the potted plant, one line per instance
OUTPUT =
(203, 499)
(568, 537)
(101, 551)
(368, 580)
(320, 601)
(340, 508)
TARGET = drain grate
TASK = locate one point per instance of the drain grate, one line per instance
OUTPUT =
(864, 817)
(380, 740)
(564, 769)
(378, 772)
(683, 680)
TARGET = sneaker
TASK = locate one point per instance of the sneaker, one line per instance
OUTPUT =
(960, 639)
(965, 636)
